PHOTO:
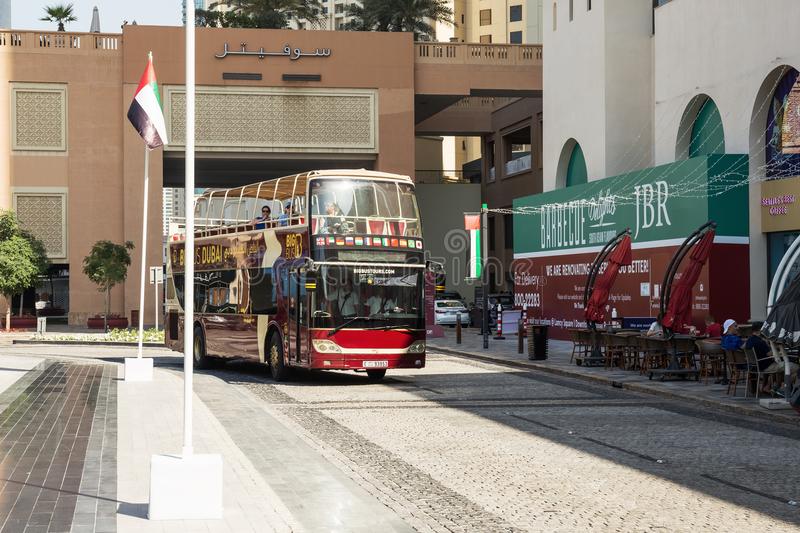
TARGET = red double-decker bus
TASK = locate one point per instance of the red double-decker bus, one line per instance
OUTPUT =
(320, 270)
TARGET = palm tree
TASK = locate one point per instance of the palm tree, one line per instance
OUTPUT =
(416, 16)
(60, 14)
(274, 14)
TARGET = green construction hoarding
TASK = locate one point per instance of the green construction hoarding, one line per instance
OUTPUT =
(558, 233)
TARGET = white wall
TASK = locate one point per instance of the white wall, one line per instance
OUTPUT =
(574, 86)
(598, 86)
(728, 49)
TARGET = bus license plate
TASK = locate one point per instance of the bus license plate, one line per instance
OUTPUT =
(376, 364)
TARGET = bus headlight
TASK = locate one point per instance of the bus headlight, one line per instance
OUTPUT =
(325, 346)
(417, 347)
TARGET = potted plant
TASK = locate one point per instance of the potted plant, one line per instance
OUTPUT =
(23, 322)
(22, 259)
(113, 321)
(107, 265)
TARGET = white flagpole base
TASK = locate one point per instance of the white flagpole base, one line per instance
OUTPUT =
(138, 369)
(774, 404)
(185, 487)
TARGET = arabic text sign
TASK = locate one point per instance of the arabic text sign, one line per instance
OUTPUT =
(288, 51)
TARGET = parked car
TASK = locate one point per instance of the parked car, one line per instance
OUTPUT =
(446, 311)
(449, 295)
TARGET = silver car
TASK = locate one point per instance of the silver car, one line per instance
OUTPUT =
(446, 311)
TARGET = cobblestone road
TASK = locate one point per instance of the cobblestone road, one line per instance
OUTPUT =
(467, 446)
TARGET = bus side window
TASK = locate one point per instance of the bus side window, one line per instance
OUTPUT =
(263, 294)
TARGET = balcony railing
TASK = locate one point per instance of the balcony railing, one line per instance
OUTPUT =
(481, 54)
(521, 164)
(35, 40)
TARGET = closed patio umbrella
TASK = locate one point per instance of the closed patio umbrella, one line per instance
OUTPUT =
(595, 310)
(679, 307)
(783, 322)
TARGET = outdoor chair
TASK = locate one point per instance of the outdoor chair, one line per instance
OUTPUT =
(616, 348)
(753, 370)
(712, 357)
(684, 348)
(737, 369)
(581, 343)
(655, 355)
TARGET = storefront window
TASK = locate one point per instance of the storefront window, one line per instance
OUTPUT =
(777, 244)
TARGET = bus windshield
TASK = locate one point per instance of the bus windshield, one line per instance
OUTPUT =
(343, 206)
(378, 297)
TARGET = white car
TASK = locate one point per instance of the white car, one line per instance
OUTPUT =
(446, 311)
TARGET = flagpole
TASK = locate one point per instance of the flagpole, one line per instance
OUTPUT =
(188, 291)
(144, 249)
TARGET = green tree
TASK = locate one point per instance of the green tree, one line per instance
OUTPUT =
(415, 16)
(22, 259)
(273, 14)
(59, 13)
(105, 266)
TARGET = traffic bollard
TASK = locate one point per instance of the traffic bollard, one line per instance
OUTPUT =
(520, 336)
(499, 335)
(458, 328)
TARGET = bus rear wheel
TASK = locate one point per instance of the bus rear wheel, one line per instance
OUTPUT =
(277, 367)
(201, 359)
(376, 375)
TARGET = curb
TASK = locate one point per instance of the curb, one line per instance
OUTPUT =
(89, 343)
(633, 387)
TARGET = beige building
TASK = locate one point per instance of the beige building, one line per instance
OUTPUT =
(72, 166)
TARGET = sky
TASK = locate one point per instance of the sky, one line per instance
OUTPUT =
(25, 14)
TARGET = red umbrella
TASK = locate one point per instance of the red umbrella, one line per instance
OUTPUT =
(596, 306)
(679, 309)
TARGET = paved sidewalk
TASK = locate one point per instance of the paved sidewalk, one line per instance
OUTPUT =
(559, 352)
(151, 422)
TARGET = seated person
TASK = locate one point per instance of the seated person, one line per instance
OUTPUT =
(283, 220)
(333, 221)
(656, 330)
(380, 303)
(761, 347)
(713, 329)
(260, 221)
(730, 335)
(344, 300)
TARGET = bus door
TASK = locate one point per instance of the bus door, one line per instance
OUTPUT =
(298, 317)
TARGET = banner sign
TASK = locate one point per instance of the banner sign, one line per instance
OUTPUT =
(565, 229)
(659, 204)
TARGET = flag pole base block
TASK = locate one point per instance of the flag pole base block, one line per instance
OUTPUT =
(774, 404)
(138, 369)
(185, 487)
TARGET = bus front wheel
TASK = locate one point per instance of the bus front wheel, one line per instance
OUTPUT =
(201, 360)
(376, 375)
(277, 367)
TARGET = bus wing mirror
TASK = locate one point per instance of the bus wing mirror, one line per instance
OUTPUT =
(435, 267)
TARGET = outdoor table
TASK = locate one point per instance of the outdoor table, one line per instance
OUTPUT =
(674, 368)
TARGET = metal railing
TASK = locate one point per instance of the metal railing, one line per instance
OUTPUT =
(37, 40)
(472, 53)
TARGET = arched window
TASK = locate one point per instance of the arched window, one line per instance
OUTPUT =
(708, 136)
(781, 141)
(576, 168)
(700, 131)
(571, 169)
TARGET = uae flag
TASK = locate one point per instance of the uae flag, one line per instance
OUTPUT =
(472, 223)
(145, 112)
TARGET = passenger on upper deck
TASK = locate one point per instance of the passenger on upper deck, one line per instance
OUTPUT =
(333, 221)
(261, 221)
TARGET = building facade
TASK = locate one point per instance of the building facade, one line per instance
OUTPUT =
(644, 89)
(72, 166)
